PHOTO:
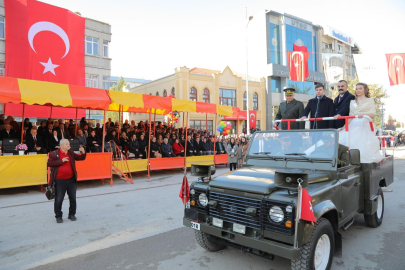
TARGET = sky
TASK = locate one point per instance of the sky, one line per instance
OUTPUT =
(151, 38)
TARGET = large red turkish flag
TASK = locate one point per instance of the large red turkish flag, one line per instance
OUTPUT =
(298, 65)
(396, 68)
(307, 213)
(252, 119)
(44, 42)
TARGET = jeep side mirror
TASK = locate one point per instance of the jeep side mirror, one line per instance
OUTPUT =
(354, 156)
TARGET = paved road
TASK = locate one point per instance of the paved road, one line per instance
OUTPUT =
(139, 227)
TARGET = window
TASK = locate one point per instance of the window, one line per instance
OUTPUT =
(193, 94)
(327, 46)
(258, 124)
(301, 37)
(91, 46)
(275, 85)
(307, 88)
(91, 81)
(157, 93)
(202, 125)
(275, 44)
(227, 97)
(2, 27)
(206, 95)
(245, 101)
(105, 48)
(255, 101)
(165, 93)
(106, 83)
(174, 92)
(2, 69)
(339, 48)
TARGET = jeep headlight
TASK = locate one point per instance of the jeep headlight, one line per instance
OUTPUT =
(276, 214)
(203, 199)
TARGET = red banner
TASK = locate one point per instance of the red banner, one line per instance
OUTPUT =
(396, 68)
(44, 43)
(242, 116)
(252, 119)
(307, 213)
(300, 48)
(298, 65)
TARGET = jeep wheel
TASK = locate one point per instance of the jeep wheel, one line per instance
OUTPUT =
(375, 219)
(205, 242)
(317, 254)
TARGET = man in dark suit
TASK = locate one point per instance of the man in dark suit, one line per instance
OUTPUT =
(190, 146)
(7, 133)
(290, 109)
(342, 103)
(47, 133)
(320, 106)
(198, 146)
(62, 133)
(219, 147)
(34, 142)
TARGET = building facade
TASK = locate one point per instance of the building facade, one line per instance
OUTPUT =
(283, 33)
(97, 55)
(211, 86)
(131, 82)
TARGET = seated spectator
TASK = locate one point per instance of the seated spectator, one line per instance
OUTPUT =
(7, 133)
(34, 142)
(81, 138)
(27, 127)
(219, 147)
(154, 149)
(178, 149)
(206, 147)
(190, 146)
(210, 144)
(198, 147)
(182, 140)
(86, 131)
(53, 141)
(124, 142)
(172, 139)
(93, 142)
(142, 147)
(41, 129)
(166, 148)
(63, 134)
(134, 146)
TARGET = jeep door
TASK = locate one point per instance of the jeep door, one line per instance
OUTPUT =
(350, 195)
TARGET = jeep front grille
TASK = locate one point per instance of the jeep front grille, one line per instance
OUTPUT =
(232, 208)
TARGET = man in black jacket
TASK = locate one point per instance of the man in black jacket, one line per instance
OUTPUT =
(34, 142)
(190, 146)
(7, 133)
(166, 148)
(198, 146)
(320, 106)
(342, 103)
(47, 133)
(219, 147)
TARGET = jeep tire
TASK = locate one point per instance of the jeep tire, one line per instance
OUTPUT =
(205, 242)
(376, 219)
(317, 254)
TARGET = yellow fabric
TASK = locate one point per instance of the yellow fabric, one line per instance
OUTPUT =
(224, 110)
(200, 160)
(115, 107)
(135, 165)
(39, 92)
(126, 99)
(183, 105)
(19, 171)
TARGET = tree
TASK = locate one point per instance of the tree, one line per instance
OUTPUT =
(376, 91)
(116, 87)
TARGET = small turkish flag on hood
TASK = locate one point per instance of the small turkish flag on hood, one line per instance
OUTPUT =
(396, 68)
(307, 213)
(184, 191)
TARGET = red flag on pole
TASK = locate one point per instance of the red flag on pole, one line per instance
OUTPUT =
(252, 119)
(184, 191)
(396, 68)
(298, 65)
(300, 48)
(44, 42)
(307, 212)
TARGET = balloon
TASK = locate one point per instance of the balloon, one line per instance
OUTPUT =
(224, 133)
(218, 129)
(171, 96)
(228, 131)
(229, 123)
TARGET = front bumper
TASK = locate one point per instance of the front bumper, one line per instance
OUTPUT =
(262, 244)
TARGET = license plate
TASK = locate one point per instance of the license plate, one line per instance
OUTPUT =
(195, 226)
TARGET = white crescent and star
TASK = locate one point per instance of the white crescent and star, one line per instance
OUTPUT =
(51, 27)
(300, 54)
(399, 58)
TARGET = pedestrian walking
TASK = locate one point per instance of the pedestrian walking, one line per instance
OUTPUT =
(64, 174)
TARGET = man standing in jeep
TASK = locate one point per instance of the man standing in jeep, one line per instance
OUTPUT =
(63, 172)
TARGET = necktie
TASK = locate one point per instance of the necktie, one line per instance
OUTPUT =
(35, 141)
(340, 98)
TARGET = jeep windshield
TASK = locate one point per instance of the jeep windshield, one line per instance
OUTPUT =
(307, 145)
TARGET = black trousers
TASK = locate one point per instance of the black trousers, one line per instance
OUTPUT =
(232, 164)
(63, 186)
(166, 154)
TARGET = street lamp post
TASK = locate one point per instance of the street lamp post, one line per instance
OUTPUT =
(247, 80)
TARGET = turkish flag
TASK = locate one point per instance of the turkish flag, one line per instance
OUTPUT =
(298, 65)
(184, 191)
(252, 119)
(300, 48)
(307, 212)
(44, 43)
(396, 68)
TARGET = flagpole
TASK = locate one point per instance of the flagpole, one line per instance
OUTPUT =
(298, 213)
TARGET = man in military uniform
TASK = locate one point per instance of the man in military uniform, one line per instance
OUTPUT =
(328, 140)
(290, 109)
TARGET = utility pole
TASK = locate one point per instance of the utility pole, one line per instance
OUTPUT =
(247, 78)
